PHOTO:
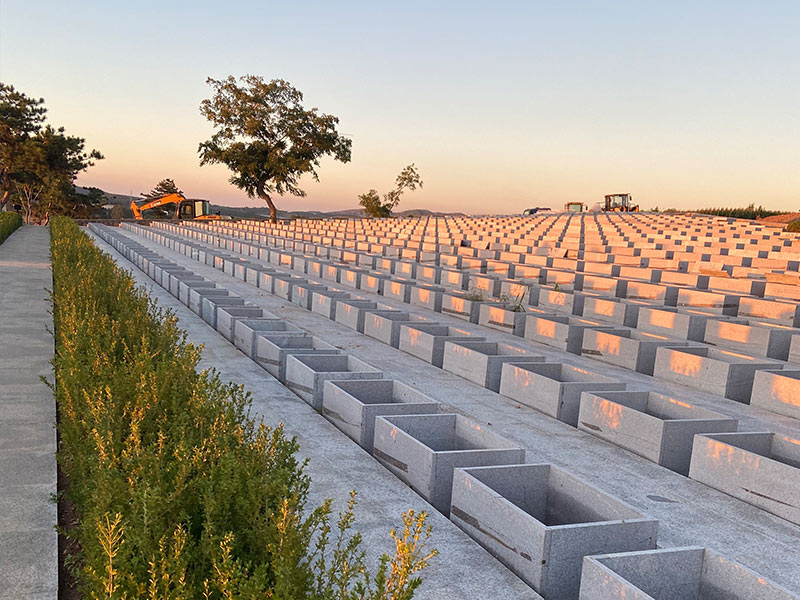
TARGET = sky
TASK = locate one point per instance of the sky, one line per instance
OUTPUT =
(501, 106)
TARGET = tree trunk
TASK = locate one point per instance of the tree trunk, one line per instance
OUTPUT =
(273, 212)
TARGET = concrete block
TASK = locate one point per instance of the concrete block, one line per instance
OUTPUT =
(553, 388)
(778, 392)
(209, 306)
(540, 521)
(352, 313)
(626, 348)
(762, 469)
(690, 573)
(427, 296)
(373, 283)
(303, 293)
(686, 325)
(612, 311)
(481, 362)
(323, 302)
(245, 332)
(273, 348)
(502, 318)
(463, 306)
(426, 340)
(399, 289)
(423, 450)
(385, 325)
(722, 372)
(184, 289)
(794, 350)
(754, 337)
(570, 303)
(562, 332)
(306, 374)
(783, 313)
(718, 303)
(228, 315)
(353, 405)
(657, 427)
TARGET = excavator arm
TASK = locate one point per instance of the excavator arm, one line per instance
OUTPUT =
(175, 199)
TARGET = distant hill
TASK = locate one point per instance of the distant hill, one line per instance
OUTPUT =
(257, 212)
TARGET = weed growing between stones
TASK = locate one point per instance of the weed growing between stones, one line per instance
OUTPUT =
(179, 493)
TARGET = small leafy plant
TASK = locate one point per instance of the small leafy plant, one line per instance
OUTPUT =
(9, 222)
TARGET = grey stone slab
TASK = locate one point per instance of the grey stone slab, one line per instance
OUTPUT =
(306, 374)
(652, 425)
(777, 391)
(423, 450)
(481, 362)
(760, 468)
(541, 521)
(353, 405)
(692, 573)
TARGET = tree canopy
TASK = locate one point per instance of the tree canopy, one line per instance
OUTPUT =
(39, 163)
(163, 187)
(408, 179)
(266, 137)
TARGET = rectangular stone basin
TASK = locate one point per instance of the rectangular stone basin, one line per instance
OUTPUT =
(423, 450)
(553, 388)
(562, 332)
(228, 315)
(353, 405)
(306, 374)
(626, 348)
(540, 521)
(777, 392)
(690, 573)
(272, 349)
(722, 372)
(762, 469)
(426, 341)
(481, 362)
(245, 332)
(657, 427)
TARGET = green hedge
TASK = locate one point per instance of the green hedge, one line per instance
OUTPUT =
(179, 494)
(9, 222)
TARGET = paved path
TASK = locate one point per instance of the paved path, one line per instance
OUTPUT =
(28, 539)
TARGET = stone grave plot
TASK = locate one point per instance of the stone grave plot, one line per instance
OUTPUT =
(553, 388)
(353, 405)
(502, 317)
(721, 372)
(777, 391)
(655, 426)
(246, 332)
(423, 450)
(228, 315)
(273, 348)
(427, 340)
(385, 326)
(540, 521)
(482, 362)
(691, 573)
(352, 313)
(627, 348)
(561, 332)
(306, 374)
(756, 338)
(760, 468)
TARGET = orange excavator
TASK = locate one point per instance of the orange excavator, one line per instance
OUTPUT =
(184, 209)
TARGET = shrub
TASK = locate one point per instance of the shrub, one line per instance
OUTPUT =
(178, 493)
(794, 226)
(9, 221)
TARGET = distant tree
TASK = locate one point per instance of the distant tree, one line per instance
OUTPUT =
(46, 167)
(163, 187)
(266, 137)
(20, 118)
(408, 179)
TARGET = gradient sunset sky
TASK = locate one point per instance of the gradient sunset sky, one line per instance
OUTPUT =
(501, 105)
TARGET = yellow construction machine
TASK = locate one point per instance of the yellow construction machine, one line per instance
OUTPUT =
(620, 203)
(184, 209)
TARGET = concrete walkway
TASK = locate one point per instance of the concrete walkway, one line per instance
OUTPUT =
(28, 539)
